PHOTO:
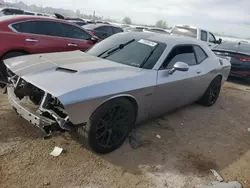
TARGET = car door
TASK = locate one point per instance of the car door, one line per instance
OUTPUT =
(103, 32)
(211, 40)
(39, 37)
(180, 88)
(76, 38)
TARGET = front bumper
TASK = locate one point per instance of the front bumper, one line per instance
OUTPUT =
(29, 113)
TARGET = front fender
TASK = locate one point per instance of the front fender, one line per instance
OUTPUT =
(80, 112)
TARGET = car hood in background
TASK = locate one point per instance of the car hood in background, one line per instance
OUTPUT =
(60, 73)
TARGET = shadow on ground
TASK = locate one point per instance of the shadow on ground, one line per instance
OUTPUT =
(194, 139)
(241, 81)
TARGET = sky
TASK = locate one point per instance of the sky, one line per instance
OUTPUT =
(225, 16)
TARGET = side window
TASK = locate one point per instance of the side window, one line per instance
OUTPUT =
(74, 32)
(203, 35)
(25, 27)
(117, 30)
(211, 38)
(39, 27)
(181, 53)
(200, 54)
(45, 28)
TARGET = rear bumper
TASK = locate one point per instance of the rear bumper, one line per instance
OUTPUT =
(240, 71)
(28, 113)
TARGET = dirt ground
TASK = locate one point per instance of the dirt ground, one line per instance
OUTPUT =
(193, 140)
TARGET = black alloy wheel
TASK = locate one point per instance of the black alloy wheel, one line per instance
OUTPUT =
(113, 126)
(108, 127)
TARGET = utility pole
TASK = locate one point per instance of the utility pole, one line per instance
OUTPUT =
(94, 16)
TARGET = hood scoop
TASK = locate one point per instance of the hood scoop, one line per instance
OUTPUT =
(61, 69)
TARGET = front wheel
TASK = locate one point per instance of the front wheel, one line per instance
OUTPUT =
(212, 93)
(109, 126)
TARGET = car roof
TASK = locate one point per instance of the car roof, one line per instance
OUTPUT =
(10, 8)
(187, 26)
(19, 18)
(163, 38)
(232, 46)
(93, 26)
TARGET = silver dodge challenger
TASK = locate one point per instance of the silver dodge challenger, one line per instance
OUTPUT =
(99, 95)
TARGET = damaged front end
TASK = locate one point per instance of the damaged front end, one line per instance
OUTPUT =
(37, 106)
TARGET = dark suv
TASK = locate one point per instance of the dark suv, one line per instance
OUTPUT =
(11, 11)
(102, 31)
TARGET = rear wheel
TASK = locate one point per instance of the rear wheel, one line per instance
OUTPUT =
(212, 93)
(109, 126)
(3, 71)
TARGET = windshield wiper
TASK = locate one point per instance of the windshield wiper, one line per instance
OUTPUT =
(110, 51)
(147, 57)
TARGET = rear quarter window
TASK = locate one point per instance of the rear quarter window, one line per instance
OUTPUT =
(200, 54)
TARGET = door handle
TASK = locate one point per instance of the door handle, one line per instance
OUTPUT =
(198, 71)
(31, 40)
(72, 44)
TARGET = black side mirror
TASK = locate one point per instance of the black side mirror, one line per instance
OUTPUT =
(219, 41)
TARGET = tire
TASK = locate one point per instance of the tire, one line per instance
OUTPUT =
(108, 127)
(3, 70)
(212, 93)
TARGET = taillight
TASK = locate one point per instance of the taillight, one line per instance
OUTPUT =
(244, 58)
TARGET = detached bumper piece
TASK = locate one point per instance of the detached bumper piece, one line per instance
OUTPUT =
(34, 115)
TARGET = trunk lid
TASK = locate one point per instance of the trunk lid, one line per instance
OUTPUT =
(235, 58)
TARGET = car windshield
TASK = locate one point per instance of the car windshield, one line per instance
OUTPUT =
(186, 31)
(233, 46)
(134, 52)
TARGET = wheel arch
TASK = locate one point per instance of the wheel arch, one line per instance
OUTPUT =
(16, 50)
(129, 97)
(220, 76)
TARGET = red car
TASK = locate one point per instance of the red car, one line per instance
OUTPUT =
(22, 35)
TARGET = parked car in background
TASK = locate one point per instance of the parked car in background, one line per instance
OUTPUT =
(78, 22)
(23, 35)
(134, 29)
(103, 22)
(33, 13)
(125, 79)
(102, 31)
(156, 30)
(15, 11)
(11, 11)
(238, 54)
(198, 33)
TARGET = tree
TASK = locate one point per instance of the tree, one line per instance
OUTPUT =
(127, 20)
(161, 24)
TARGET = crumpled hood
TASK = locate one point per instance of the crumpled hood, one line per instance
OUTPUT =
(60, 73)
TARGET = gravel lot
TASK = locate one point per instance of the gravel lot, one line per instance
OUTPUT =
(193, 140)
